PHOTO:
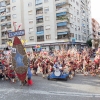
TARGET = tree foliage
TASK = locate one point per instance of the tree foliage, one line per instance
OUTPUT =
(89, 43)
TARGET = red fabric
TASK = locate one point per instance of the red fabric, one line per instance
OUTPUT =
(30, 82)
(16, 41)
(10, 73)
(22, 77)
(3, 62)
(96, 61)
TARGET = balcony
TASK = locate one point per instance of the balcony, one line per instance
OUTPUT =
(5, 25)
(5, 18)
(63, 35)
(40, 38)
(65, 9)
(62, 29)
(7, 2)
(2, 11)
(39, 20)
(39, 12)
(4, 35)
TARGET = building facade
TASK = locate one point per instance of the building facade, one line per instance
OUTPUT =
(51, 23)
(95, 26)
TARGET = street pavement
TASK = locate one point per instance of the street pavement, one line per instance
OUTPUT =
(79, 88)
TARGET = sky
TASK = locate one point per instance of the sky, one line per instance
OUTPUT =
(95, 8)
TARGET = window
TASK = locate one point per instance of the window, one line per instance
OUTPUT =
(75, 18)
(14, 8)
(14, 15)
(47, 27)
(74, 8)
(78, 28)
(70, 6)
(46, 9)
(77, 12)
(87, 20)
(29, 4)
(30, 12)
(40, 28)
(46, 18)
(31, 29)
(72, 25)
(77, 3)
(30, 21)
(78, 19)
(45, 0)
(13, 0)
(76, 36)
(79, 37)
(48, 37)
(75, 28)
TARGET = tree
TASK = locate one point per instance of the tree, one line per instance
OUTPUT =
(89, 43)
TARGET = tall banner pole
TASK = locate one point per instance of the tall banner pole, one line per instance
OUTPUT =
(19, 58)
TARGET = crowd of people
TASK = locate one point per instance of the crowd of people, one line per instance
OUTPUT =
(69, 61)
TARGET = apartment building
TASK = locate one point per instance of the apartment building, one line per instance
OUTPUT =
(51, 23)
(95, 26)
(9, 14)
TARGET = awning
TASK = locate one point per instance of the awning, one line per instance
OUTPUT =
(3, 24)
(62, 24)
(60, 4)
(61, 14)
(40, 33)
(3, 17)
(3, 3)
(39, 17)
(61, 33)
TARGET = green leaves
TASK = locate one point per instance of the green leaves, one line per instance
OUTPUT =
(89, 43)
(63, 18)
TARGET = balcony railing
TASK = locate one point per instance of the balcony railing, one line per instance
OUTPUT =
(6, 19)
(39, 12)
(62, 18)
(39, 22)
(39, 40)
(61, 28)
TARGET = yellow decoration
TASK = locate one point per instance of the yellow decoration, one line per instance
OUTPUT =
(25, 49)
(26, 40)
(8, 43)
(11, 44)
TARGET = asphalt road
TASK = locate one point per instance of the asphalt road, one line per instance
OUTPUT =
(79, 88)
